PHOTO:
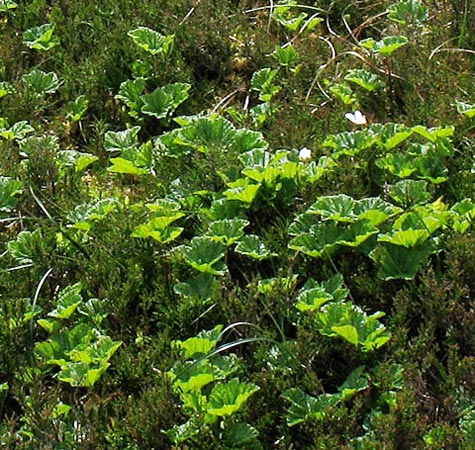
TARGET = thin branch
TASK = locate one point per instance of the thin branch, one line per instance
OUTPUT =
(38, 290)
(457, 50)
(321, 69)
(189, 13)
(226, 99)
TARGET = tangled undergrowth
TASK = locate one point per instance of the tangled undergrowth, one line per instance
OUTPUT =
(237, 224)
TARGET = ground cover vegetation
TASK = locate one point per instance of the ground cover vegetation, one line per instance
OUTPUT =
(237, 224)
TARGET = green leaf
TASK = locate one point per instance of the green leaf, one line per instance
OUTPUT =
(41, 38)
(185, 431)
(375, 211)
(463, 214)
(367, 80)
(358, 218)
(200, 287)
(121, 140)
(356, 382)
(391, 376)
(335, 287)
(304, 223)
(399, 165)
(256, 158)
(3, 123)
(18, 131)
(405, 238)
(135, 160)
(56, 349)
(121, 165)
(432, 169)
(51, 326)
(399, 262)
(386, 46)
(130, 92)
(81, 352)
(429, 217)
(315, 171)
(304, 407)
(10, 189)
(271, 286)
(245, 140)
(164, 207)
(164, 100)
(94, 309)
(6, 5)
(84, 161)
(348, 321)
(318, 240)
(76, 109)
(227, 398)
(240, 435)
(433, 134)
(158, 227)
(287, 56)
(245, 194)
(85, 215)
(465, 109)
(251, 245)
(262, 81)
(192, 376)
(68, 301)
(222, 208)
(311, 299)
(32, 311)
(355, 234)
(25, 248)
(390, 135)
(260, 113)
(157, 104)
(73, 159)
(60, 409)
(152, 41)
(287, 17)
(201, 344)
(314, 295)
(269, 169)
(51, 350)
(410, 12)
(178, 92)
(74, 374)
(205, 255)
(338, 208)
(41, 83)
(410, 193)
(467, 426)
(313, 22)
(96, 353)
(227, 231)
(375, 334)
(343, 92)
(349, 143)
(263, 78)
(5, 88)
(348, 332)
(465, 208)
(211, 134)
(80, 374)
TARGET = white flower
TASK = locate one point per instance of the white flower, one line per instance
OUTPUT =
(305, 154)
(358, 118)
